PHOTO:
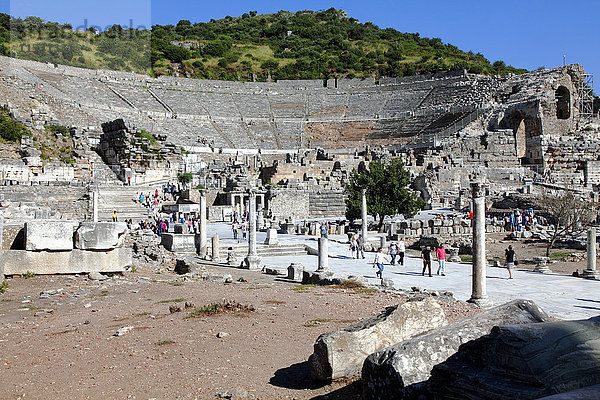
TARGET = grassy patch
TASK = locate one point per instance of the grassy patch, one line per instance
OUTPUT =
(164, 343)
(144, 314)
(176, 283)
(29, 274)
(560, 254)
(354, 286)
(4, 288)
(303, 288)
(170, 301)
(316, 322)
(227, 307)
(466, 258)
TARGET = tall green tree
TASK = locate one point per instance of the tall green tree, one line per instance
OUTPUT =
(387, 189)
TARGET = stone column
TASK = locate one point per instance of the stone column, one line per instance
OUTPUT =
(252, 261)
(95, 206)
(364, 213)
(202, 224)
(479, 294)
(323, 255)
(215, 249)
(383, 242)
(591, 272)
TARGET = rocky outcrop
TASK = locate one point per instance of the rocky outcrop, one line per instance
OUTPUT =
(340, 354)
(522, 362)
(388, 373)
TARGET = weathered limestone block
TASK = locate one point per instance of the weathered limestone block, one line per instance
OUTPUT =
(522, 362)
(49, 235)
(387, 373)
(340, 354)
(178, 243)
(272, 239)
(100, 235)
(295, 272)
(18, 262)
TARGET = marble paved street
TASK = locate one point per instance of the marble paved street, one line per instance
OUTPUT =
(560, 296)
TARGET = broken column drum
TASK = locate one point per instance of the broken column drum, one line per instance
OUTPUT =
(252, 261)
(479, 294)
(363, 194)
(591, 272)
(323, 255)
(202, 223)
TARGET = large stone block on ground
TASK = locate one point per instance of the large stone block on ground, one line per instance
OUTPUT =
(388, 372)
(100, 235)
(178, 243)
(18, 262)
(340, 354)
(526, 361)
(49, 235)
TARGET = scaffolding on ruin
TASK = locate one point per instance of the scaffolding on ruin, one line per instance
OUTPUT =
(586, 97)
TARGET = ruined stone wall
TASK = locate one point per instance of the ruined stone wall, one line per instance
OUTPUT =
(59, 202)
(289, 203)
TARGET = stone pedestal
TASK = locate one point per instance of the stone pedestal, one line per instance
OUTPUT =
(479, 294)
(295, 272)
(323, 255)
(272, 239)
(260, 220)
(383, 243)
(215, 248)
(541, 265)
(363, 210)
(202, 225)
(452, 254)
(591, 272)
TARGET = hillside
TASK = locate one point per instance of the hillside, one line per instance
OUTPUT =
(284, 45)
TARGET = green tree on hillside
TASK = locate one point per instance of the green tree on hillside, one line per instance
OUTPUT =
(388, 192)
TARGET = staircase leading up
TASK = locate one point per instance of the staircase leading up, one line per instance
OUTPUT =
(121, 199)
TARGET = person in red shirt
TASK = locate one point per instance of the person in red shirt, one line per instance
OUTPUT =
(441, 256)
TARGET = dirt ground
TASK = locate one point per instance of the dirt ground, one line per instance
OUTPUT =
(61, 345)
(563, 261)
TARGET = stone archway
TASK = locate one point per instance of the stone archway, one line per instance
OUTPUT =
(563, 103)
(516, 122)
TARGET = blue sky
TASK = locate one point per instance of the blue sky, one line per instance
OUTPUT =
(523, 33)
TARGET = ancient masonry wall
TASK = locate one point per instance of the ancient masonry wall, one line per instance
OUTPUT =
(28, 202)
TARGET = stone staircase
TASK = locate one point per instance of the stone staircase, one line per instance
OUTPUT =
(120, 198)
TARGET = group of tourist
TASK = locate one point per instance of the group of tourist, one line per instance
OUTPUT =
(440, 254)
(519, 220)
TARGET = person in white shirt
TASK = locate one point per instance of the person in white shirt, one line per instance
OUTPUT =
(401, 250)
(378, 261)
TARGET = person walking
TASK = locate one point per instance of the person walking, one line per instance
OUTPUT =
(393, 251)
(378, 262)
(324, 229)
(441, 256)
(401, 249)
(360, 243)
(353, 247)
(114, 216)
(509, 254)
(426, 257)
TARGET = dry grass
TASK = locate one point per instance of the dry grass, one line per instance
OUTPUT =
(226, 307)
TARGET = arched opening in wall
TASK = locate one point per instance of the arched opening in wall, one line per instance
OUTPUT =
(563, 103)
(516, 122)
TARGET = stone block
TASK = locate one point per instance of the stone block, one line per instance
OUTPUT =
(386, 373)
(272, 239)
(49, 235)
(18, 262)
(100, 235)
(295, 272)
(178, 243)
(340, 354)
